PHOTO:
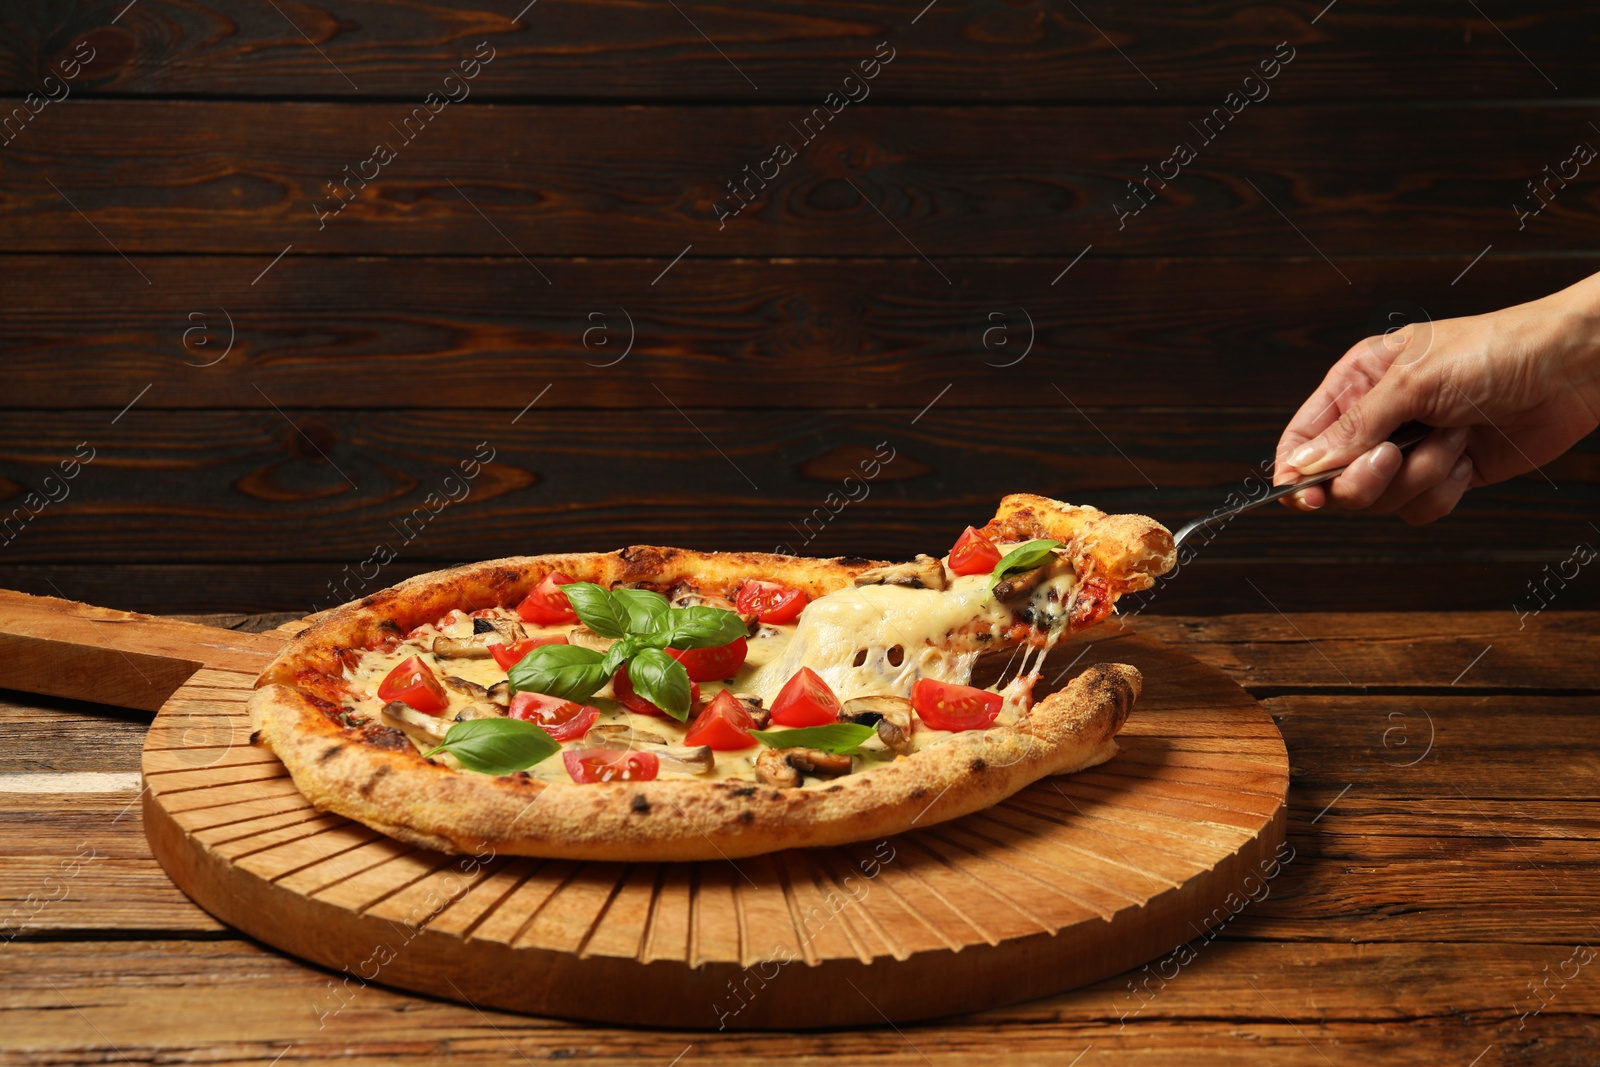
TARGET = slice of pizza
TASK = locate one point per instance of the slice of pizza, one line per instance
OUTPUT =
(665, 704)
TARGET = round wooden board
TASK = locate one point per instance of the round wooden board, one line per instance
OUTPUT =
(1071, 880)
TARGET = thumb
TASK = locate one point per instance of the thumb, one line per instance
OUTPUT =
(1365, 425)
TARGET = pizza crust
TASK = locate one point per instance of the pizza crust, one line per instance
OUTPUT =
(1129, 550)
(428, 804)
(378, 778)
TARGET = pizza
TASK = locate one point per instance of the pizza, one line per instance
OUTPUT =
(660, 704)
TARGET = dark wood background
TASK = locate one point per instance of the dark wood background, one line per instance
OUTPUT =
(863, 298)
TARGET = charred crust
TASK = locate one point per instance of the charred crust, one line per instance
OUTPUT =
(743, 791)
(386, 737)
(371, 783)
(640, 805)
(977, 765)
(853, 561)
(329, 752)
(747, 816)
(255, 737)
(1105, 684)
(918, 793)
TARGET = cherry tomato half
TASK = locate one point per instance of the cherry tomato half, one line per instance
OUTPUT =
(973, 554)
(771, 601)
(413, 682)
(622, 689)
(547, 605)
(509, 656)
(805, 700)
(610, 765)
(564, 720)
(947, 706)
(712, 664)
(725, 725)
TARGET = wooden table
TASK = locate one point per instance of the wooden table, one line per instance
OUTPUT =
(1441, 906)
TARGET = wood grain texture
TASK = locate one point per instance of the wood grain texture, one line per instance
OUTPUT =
(614, 50)
(1087, 875)
(1413, 1003)
(1373, 869)
(1385, 939)
(956, 182)
(1525, 837)
(84, 331)
(1433, 650)
(333, 484)
(65, 648)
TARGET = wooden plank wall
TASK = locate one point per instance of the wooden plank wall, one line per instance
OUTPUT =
(279, 305)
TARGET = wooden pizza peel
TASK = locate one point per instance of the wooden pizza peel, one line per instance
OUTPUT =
(1070, 881)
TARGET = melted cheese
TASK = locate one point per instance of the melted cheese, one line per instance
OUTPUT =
(878, 640)
(870, 641)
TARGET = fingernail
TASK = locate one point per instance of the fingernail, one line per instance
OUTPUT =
(1385, 459)
(1462, 470)
(1456, 436)
(1304, 501)
(1305, 455)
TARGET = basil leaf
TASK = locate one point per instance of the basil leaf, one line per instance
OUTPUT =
(570, 672)
(620, 652)
(701, 627)
(662, 681)
(497, 746)
(838, 737)
(1024, 557)
(644, 609)
(597, 609)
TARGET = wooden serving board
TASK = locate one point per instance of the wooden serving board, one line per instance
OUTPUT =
(1071, 880)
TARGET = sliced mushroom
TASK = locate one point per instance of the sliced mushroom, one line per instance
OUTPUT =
(1015, 585)
(467, 687)
(510, 629)
(684, 595)
(621, 735)
(500, 694)
(782, 767)
(815, 761)
(894, 738)
(773, 768)
(924, 572)
(683, 759)
(752, 706)
(890, 715)
(479, 711)
(869, 710)
(582, 635)
(455, 648)
(413, 723)
(485, 632)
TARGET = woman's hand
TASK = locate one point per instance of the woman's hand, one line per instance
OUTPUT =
(1507, 392)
